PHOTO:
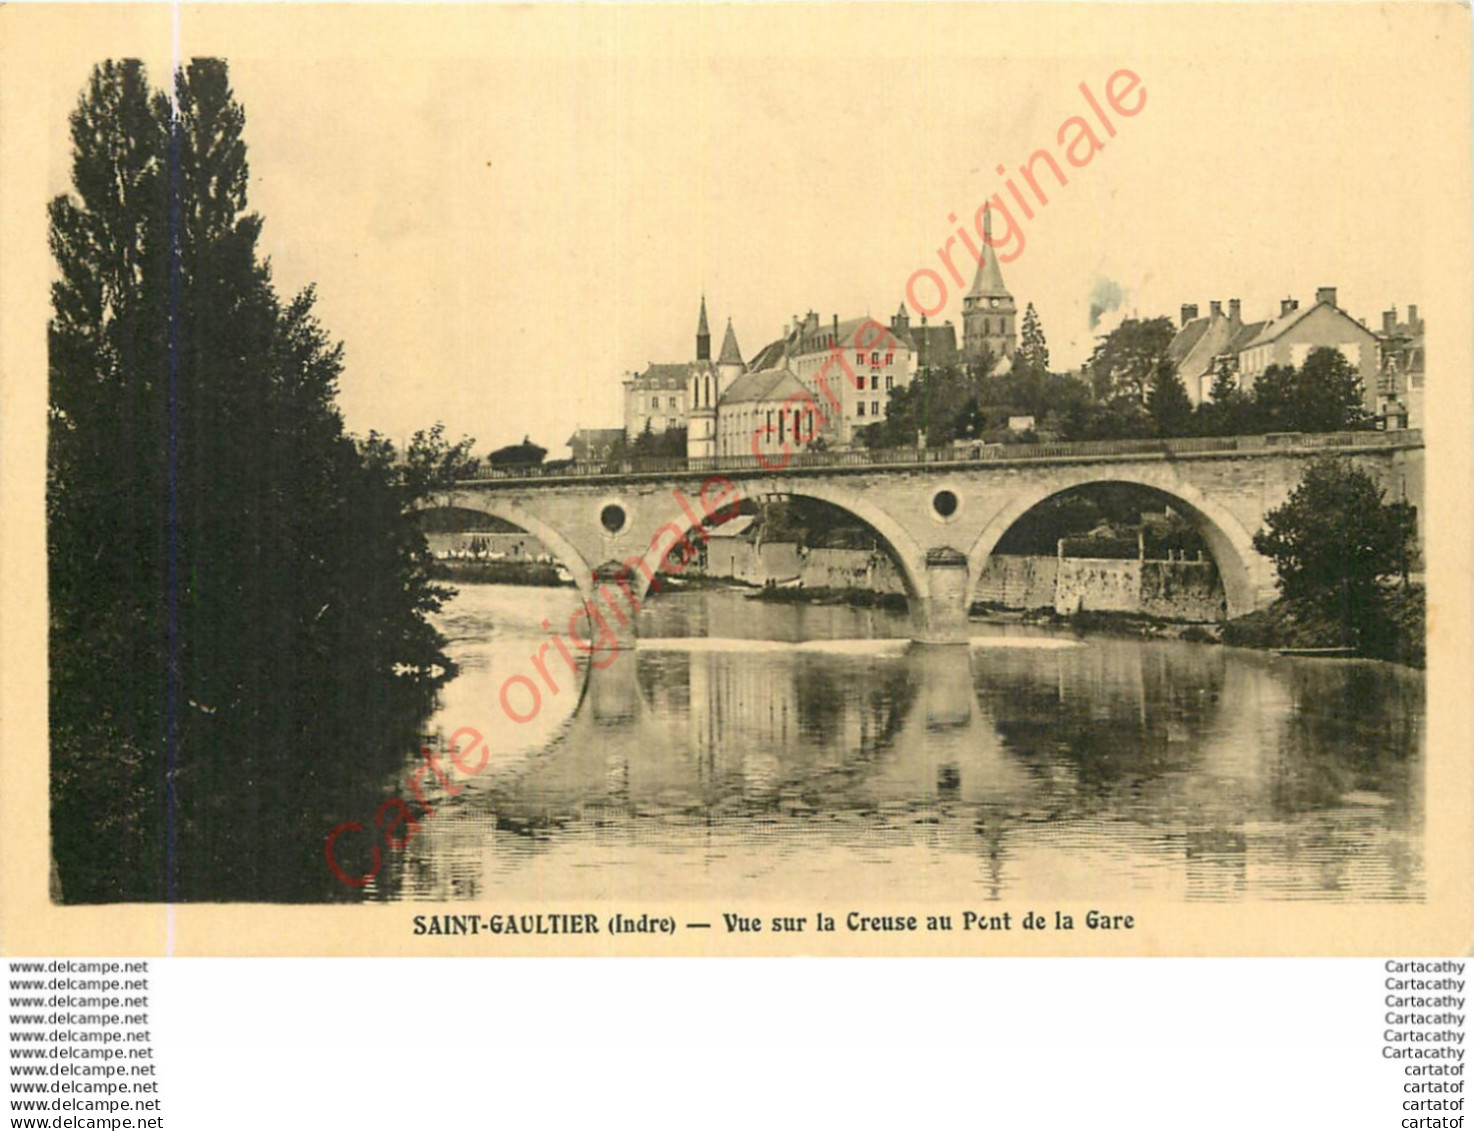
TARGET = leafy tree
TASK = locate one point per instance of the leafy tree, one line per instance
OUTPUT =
(1324, 395)
(1125, 360)
(1334, 541)
(234, 580)
(940, 401)
(1225, 383)
(1033, 350)
(1168, 402)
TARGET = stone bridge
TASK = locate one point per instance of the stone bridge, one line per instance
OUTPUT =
(941, 512)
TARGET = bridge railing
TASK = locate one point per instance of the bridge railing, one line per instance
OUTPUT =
(965, 453)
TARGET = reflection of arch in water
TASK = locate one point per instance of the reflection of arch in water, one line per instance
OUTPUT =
(1120, 716)
(1241, 568)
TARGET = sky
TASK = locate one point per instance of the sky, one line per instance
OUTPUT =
(505, 211)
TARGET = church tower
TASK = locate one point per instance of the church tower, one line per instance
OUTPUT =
(703, 335)
(989, 316)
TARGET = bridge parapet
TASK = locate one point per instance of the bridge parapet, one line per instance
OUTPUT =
(1271, 444)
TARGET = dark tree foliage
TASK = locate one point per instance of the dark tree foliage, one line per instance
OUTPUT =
(1168, 403)
(234, 580)
(525, 454)
(1334, 542)
(1324, 395)
(668, 444)
(1125, 360)
(1033, 350)
(939, 400)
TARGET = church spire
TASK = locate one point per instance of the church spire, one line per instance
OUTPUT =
(731, 354)
(703, 335)
(988, 281)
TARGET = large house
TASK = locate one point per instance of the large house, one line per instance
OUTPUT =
(1202, 346)
(1289, 339)
(848, 368)
(766, 413)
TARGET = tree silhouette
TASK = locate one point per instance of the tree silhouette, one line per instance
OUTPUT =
(1125, 360)
(1325, 394)
(1168, 402)
(1334, 541)
(1033, 349)
(234, 579)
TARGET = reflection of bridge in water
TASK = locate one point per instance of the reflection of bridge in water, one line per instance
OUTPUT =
(940, 513)
(1212, 770)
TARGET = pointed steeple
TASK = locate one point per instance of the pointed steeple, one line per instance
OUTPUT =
(731, 354)
(989, 278)
(988, 310)
(703, 335)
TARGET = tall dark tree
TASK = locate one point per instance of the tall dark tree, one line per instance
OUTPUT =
(234, 579)
(1168, 403)
(1033, 350)
(1334, 542)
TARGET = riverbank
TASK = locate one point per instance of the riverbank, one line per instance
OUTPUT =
(1395, 632)
(498, 573)
(1138, 626)
(818, 595)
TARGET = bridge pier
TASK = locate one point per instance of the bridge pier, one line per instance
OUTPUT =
(940, 617)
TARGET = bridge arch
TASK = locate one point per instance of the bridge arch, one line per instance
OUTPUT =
(1245, 573)
(910, 558)
(559, 546)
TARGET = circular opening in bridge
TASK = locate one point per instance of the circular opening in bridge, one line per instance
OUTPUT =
(613, 518)
(945, 503)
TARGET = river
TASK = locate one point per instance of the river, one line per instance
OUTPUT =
(746, 749)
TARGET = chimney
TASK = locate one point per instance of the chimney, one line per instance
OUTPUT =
(1287, 306)
(1412, 318)
(1326, 295)
(1389, 321)
(1215, 309)
(1233, 310)
(1189, 312)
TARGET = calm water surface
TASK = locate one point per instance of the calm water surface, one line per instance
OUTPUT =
(745, 745)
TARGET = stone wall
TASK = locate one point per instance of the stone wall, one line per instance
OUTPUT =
(1016, 581)
(1182, 591)
(851, 569)
(1098, 585)
(741, 560)
(1186, 591)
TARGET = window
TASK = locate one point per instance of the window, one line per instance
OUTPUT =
(874, 408)
(875, 358)
(859, 357)
(874, 381)
(889, 382)
(654, 402)
(860, 409)
(890, 357)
